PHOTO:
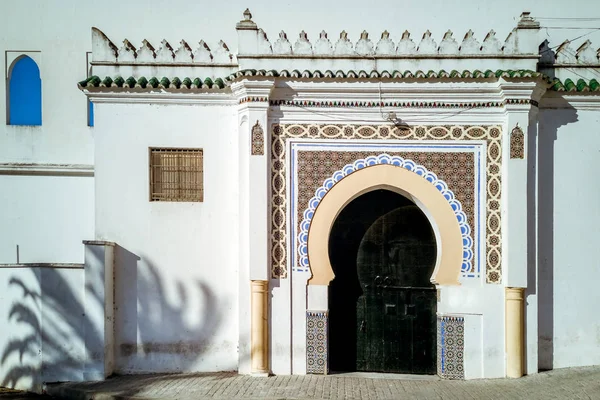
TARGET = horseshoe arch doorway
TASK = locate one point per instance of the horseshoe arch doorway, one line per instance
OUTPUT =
(382, 305)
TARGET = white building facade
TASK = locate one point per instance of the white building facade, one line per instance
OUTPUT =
(398, 203)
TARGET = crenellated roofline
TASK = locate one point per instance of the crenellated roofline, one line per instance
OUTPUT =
(202, 68)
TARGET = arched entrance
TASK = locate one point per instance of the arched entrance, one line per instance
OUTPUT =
(382, 305)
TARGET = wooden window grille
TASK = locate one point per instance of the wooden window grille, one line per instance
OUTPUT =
(176, 174)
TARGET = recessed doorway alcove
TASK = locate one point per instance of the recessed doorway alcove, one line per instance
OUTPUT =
(382, 305)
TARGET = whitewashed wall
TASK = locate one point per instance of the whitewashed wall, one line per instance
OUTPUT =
(177, 267)
(43, 323)
(46, 216)
(176, 263)
(568, 223)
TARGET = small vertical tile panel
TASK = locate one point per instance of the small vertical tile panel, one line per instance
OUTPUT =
(316, 342)
(258, 140)
(450, 347)
(517, 143)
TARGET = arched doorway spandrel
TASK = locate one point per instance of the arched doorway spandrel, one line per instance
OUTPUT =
(407, 183)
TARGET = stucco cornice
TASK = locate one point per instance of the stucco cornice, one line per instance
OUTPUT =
(161, 97)
(566, 100)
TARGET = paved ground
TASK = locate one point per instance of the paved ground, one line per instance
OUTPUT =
(9, 394)
(572, 383)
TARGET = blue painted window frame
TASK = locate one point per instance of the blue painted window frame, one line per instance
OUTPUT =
(24, 105)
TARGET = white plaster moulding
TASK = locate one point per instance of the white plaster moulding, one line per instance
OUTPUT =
(577, 101)
(45, 265)
(131, 96)
(333, 90)
(46, 169)
(292, 115)
(388, 57)
(565, 65)
(98, 243)
(151, 64)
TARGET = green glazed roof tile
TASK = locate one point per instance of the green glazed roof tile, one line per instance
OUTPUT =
(153, 82)
(219, 83)
(130, 82)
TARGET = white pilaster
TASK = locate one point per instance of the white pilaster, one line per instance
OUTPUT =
(254, 197)
(518, 207)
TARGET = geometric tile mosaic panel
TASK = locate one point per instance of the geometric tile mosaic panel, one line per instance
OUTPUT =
(450, 347)
(279, 170)
(399, 162)
(517, 143)
(258, 140)
(316, 342)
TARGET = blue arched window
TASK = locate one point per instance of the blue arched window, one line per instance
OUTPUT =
(24, 93)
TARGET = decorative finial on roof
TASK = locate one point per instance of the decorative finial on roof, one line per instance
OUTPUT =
(323, 45)
(223, 45)
(303, 46)
(490, 36)
(406, 35)
(343, 46)
(447, 35)
(385, 34)
(127, 52)
(584, 46)
(364, 35)
(585, 53)
(282, 35)
(427, 34)
(246, 23)
(527, 21)
(468, 35)
(128, 46)
(148, 45)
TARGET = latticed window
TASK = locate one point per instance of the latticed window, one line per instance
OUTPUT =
(176, 174)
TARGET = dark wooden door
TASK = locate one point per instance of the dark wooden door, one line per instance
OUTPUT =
(396, 311)
(381, 303)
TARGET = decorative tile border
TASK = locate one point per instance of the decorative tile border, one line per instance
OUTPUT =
(399, 162)
(490, 134)
(517, 143)
(258, 140)
(400, 104)
(450, 347)
(316, 342)
(369, 104)
(253, 100)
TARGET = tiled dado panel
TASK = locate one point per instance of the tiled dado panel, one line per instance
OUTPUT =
(450, 347)
(316, 342)
(282, 133)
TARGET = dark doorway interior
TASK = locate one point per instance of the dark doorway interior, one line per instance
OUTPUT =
(381, 303)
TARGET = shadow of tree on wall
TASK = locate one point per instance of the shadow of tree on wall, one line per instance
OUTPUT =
(51, 335)
(153, 323)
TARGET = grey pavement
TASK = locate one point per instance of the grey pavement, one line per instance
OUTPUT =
(570, 383)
